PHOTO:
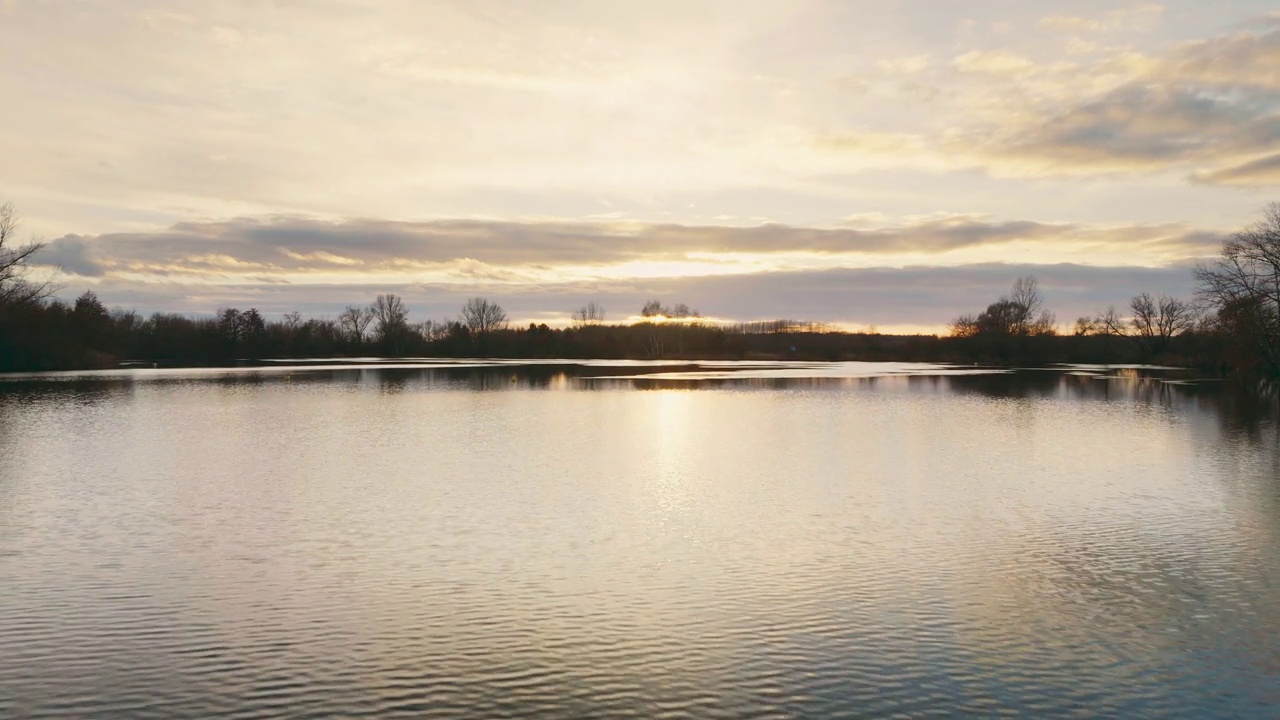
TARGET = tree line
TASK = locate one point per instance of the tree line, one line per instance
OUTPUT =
(51, 334)
(1232, 324)
(1017, 328)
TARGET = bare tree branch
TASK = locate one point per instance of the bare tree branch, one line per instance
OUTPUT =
(483, 316)
(16, 262)
(590, 314)
(354, 322)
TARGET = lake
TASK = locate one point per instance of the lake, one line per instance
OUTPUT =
(646, 539)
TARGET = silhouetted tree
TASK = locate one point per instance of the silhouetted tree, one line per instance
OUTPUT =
(1086, 326)
(318, 338)
(354, 322)
(1243, 287)
(92, 321)
(391, 323)
(653, 308)
(1156, 321)
(483, 316)
(1109, 322)
(88, 305)
(230, 325)
(242, 333)
(590, 314)
(389, 314)
(1021, 313)
(433, 330)
(1152, 325)
(15, 264)
(1010, 329)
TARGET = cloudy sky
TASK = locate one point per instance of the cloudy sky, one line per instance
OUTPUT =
(866, 163)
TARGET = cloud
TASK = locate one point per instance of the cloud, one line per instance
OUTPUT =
(874, 143)
(799, 112)
(1071, 23)
(1263, 171)
(1240, 60)
(1141, 126)
(927, 296)
(505, 251)
(300, 244)
(1076, 46)
(1209, 110)
(905, 66)
(1138, 17)
(994, 62)
(884, 296)
(1211, 106)
(73, 254)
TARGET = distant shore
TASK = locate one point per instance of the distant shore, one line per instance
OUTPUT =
(190, 343)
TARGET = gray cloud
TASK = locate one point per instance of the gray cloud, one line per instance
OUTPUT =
(922, 295)
(73, 254)
(1153, 125)
(929, 296)
(1201, 104)
(495, 251)
(1248, 59)
(284, 243)
(1263, 171)
(1209, 108)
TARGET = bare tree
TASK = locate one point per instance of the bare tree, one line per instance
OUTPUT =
(1249, 268)
(483, 316)
(390, 316)
(1243, 286)
(433, 330)
(1156, 321)
(354, 322)
(1026, 294)
(1109, 322)
(230, 324)
(292, 319)
(590, 314)
(1030, 317)
(1020, 313)
(1152, 324)
(965, 326)
(653, 308)
(15, 264)
(126, 321)
(1086, 326)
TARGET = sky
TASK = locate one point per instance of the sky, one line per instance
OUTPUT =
(887, 164)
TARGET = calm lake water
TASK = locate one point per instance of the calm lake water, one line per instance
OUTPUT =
(731, 540)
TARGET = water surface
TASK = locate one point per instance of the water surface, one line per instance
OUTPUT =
(655, 540)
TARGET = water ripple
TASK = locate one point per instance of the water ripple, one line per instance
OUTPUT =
(202, 549)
